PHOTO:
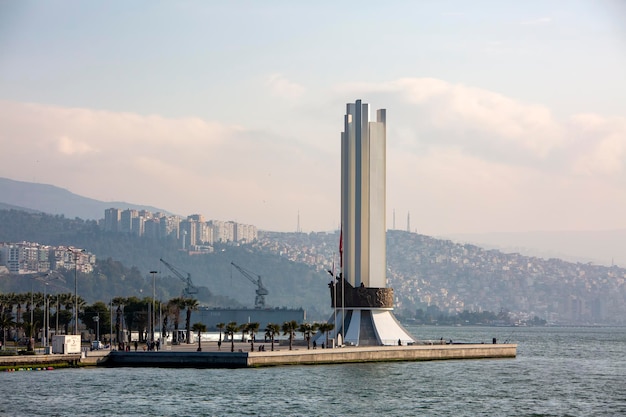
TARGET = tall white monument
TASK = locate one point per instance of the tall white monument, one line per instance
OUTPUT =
(360, 296)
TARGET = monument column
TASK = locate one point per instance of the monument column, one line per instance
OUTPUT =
(368, 308)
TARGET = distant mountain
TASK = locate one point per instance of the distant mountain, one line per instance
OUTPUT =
(4, 206)
(603, 247)
(50, 199)
(598, 247)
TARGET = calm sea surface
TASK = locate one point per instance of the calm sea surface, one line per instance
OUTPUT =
(558, 372)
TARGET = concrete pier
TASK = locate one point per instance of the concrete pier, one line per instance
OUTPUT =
(186, 356)
(39, 360)
(310, 356)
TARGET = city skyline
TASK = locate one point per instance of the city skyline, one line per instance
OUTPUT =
(505, 118)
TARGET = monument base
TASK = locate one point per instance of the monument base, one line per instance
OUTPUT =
(368, 327)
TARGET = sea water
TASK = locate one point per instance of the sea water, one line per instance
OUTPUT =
(557, 372)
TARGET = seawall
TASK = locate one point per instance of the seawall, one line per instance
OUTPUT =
(310, 357)
(39, 360)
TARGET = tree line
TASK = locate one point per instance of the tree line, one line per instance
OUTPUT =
(289, 328)
(22, 318)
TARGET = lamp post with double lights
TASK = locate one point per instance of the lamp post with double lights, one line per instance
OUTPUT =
(47, 309)
(45, 280)
(46, 318)
(153, 273)
(76, 254)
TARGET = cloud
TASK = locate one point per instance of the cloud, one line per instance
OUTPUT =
(460, 158)
(601, 143)
(185, 165)
(465, 158)
(538, 21)
(282, 87)
(488, 123)
(68, 146)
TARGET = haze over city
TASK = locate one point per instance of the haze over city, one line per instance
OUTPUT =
(502, 116)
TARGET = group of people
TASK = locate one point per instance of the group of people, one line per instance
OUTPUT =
(150, 345)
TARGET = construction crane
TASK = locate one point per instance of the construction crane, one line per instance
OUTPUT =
(190, 288)
(261, 291)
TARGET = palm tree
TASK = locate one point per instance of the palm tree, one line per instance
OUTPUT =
(6, 303)
(82, 303)
(88, 317)
(306, 329)
(19, 300)
(289, 328)
(220, 327)
(175, 305)
(29, 328)
(199, 327)
(270, 331)
(118, 302)
(244, 330)
(29, 309)
(9, 302)
(231, 328)
(38, 300)
(191, 304)
(6, 322)
(325, 328)
(39, 313)
(67, 300)
(252, 329)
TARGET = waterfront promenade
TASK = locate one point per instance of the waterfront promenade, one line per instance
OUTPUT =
(187, 355)
(243, 357)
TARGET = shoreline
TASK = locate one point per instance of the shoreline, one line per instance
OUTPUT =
(188, 356)
(211, 356)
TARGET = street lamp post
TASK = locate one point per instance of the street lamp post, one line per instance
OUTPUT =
(111, 326)
(45, 327)
(153, 301)
(46, 319)
(32, 301)
(76, 255)
(97, 320)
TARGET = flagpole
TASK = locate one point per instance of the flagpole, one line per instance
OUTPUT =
(343, 308)
(343, 289)
(335, 300)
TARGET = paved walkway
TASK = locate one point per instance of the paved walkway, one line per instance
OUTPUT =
(226, 346)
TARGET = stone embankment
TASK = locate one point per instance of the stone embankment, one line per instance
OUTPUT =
(187, 356)
(40, 359)
(241, 359)
(21, 361)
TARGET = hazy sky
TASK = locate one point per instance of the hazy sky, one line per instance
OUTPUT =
(503, 116)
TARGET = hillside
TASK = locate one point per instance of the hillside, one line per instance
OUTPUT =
(425, 272)
(604, 247)
(54, 200)
(291, 284)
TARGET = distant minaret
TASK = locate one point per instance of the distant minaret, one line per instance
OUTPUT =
(298, 230)
(408, 222)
